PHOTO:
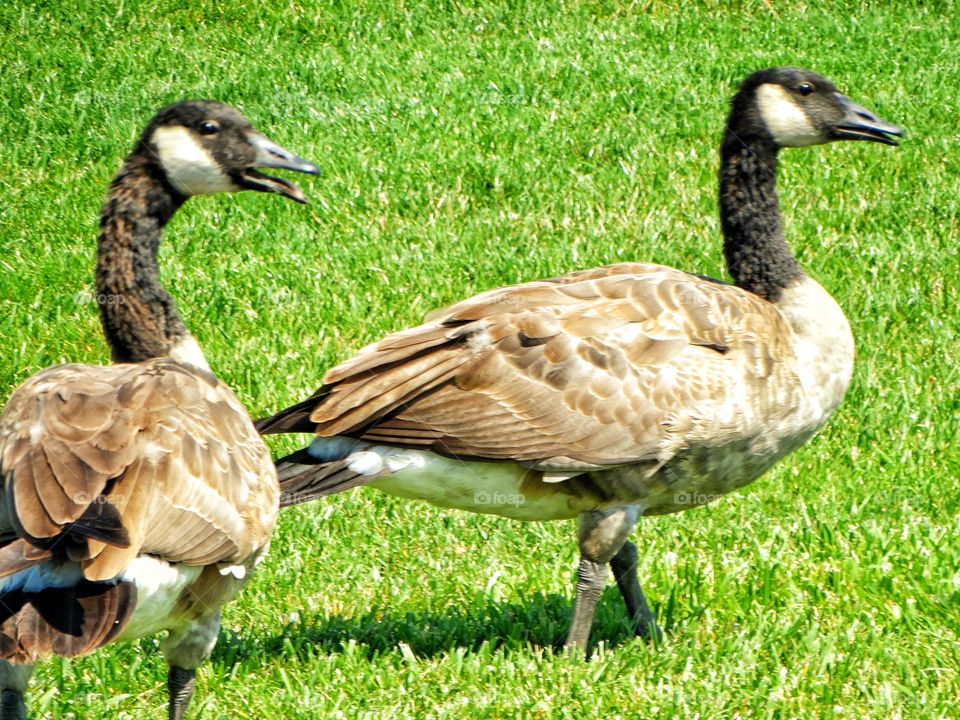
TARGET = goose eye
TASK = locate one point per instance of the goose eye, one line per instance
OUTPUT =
(805, 88)
(209, 128)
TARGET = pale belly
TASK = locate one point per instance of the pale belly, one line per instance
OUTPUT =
(504, 489)
(693, 478)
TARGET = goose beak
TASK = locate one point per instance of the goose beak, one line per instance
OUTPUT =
(861, 124)
(271, 155)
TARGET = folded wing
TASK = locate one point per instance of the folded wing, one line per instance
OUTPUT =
(620, 364)
(105, 463)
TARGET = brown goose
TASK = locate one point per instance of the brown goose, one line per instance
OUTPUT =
(138, 496)
(611, 393)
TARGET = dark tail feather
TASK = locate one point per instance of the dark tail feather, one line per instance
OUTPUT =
(63, 621)
(101, 521)
(304, 478)
(293, 419)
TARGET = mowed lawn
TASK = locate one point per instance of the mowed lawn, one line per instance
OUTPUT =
(466, 147)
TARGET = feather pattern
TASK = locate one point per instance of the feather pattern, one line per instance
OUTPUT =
(616, 365)
(93, 456)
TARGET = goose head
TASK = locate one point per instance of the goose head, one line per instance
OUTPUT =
(205, 147)
(794, 107)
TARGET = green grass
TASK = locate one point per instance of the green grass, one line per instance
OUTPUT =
(466, 147)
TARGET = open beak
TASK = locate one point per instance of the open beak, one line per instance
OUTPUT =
(861, 124)
(271, 155)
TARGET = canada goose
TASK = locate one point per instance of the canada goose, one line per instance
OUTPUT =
(138, 496)
(607, 394)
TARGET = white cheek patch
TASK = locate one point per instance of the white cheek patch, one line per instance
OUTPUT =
(787, 123)
(190, 168)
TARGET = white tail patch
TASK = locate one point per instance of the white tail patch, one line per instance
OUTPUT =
(560, 476)
(37, 431)
(334, 448)
(159, 586)
(364, 458)
(238, 571)
(365, 463)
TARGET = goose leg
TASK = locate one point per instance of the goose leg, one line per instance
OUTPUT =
(13, 685)
(185, 649)
(591, 577)
(624, 566)
(180, 684)
(601, 535)
(12, 706)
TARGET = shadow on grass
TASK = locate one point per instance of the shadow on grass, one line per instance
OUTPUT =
(541, 624)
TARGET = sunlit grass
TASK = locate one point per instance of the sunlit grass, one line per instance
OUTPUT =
(469, 147)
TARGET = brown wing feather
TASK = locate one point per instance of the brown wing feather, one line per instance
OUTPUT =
(157, 457)
(605, 366)
(68, 621)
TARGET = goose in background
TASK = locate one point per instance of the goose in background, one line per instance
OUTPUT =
(137, 496)
(607, 394)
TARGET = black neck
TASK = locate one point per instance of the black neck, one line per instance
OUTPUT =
(756, 251)
(139, 317)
